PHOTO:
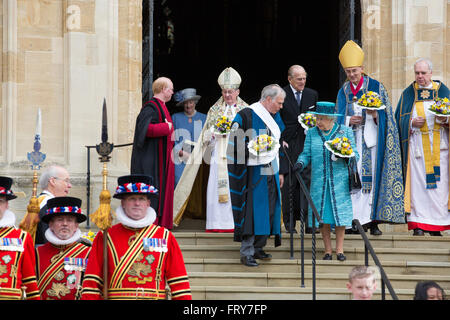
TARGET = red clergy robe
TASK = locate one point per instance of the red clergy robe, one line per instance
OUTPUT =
(152, 155)
(56, 278)
(136, 271)
(17, 268)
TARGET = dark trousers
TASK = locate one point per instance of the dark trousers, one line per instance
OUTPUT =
(253, 242)
(293, 193)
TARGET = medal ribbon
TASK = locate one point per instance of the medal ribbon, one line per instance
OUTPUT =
(47, 276)
(127, 260)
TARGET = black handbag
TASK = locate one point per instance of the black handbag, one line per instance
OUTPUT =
(354, 182)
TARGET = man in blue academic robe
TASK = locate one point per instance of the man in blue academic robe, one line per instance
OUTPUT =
(254, 179)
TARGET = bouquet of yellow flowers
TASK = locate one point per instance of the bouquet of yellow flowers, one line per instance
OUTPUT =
(340, 147)
(307, 120)
(222, 125)
(89, 236)
(371, 100)
(441, 107)
(262, 144)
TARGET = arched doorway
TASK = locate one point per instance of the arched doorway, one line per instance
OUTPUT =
(194, 40)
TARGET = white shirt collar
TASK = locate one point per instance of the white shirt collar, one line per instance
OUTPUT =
(427, 87)
(144, 222)
(53, 239)
(294, 90)
(8, 219)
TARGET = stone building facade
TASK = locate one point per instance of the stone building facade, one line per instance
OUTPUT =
(66, 56)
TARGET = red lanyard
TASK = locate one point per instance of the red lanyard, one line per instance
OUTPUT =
(355, 91)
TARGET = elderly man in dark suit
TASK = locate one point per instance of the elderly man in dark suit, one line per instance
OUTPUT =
(299, 99)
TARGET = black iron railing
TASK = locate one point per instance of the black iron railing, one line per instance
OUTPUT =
(367, 245)
(315, 216)
(369, 249)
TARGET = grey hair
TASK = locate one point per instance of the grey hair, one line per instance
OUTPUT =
(52, 171)
(294, 67)
(427, 61)
(273, 91)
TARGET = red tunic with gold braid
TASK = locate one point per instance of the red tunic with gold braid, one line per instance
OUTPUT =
(17, 265)
(140, 261)
(60, 270)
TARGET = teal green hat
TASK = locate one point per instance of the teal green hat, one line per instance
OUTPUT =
(325, 108)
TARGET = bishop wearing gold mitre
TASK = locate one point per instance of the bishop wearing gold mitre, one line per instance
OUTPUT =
(365, 107)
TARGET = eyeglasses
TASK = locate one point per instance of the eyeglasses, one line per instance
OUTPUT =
(66, 180)
(230, 91)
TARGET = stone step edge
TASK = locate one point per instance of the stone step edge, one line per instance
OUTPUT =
(404, 263)
(286, 236)
(205, 247)
(278, 275)
(249, 289)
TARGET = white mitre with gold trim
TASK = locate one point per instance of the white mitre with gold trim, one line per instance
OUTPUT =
(229, 79)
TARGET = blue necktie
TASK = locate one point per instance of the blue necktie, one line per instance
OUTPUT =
(298, 97)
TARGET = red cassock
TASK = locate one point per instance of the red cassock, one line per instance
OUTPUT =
(60, 270)
(140, 262)
(17, 265)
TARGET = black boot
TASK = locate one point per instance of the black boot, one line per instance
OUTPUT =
(374, 229)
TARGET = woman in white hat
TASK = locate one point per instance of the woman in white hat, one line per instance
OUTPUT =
(188, 125)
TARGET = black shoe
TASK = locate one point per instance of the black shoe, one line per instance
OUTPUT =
(341, 257)
(327, 256)
(260, 254)
(249, 261)
(418, 232)
(375, 231)
(435, 233)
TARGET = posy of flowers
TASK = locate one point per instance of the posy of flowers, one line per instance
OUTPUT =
(222, 125)
(441, 107)
(307, 120)
(340, 147)
(371, 100)
(262, 143)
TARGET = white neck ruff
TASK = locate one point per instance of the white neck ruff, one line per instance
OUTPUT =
(144, 222)
(8, 219)
(53, 239)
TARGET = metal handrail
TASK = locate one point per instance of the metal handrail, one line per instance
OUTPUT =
(368, 248)
(315, 216)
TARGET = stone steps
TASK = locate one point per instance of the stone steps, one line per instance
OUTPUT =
(323, 280)
(283, 252)
(353, 240)
(213, 265)
(426, 269)
(283, 293)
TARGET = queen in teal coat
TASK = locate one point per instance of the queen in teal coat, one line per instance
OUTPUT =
(329, 176)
